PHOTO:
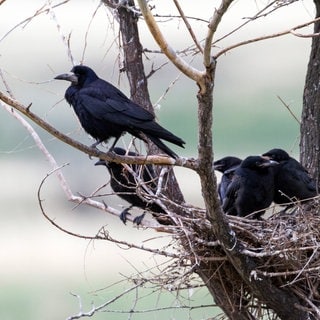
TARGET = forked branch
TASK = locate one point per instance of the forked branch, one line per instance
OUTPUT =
(171, 54)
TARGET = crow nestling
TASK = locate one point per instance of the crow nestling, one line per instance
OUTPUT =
(227, 167)
(251, 188)
(292, 181)
(125, 185)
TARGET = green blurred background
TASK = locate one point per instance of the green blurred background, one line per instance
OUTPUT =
(41, 266)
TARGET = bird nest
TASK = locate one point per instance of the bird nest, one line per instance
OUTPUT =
(285, 248)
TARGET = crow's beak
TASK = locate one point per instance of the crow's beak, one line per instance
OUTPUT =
(268, 163)
(101, 163)
(217, 166)
(68, 77)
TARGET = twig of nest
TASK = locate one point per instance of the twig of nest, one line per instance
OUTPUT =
(285, 247)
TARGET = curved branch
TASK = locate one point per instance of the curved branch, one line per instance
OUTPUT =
(103, 234)
(212, 27)
(62, 180)
(171, 54)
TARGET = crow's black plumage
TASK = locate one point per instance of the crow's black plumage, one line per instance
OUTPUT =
(125, 184)
(251, 188)
(227, 167)
(105, 112)
(292, 181)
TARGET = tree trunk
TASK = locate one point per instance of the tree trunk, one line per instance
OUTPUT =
(241, 267)
(134, 68)
(310, 119)
(281, 301)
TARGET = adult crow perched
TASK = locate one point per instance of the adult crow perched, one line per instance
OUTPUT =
(124, 184)
(292, 181)
(251, 188)
(227, 167)
(105, 112)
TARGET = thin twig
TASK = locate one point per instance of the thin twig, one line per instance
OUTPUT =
(87, 32)
(290, 111)
(182, 65)
(94, 309)
(189, 28)
(65, 40)
(257, 15)
(42, 10)
(270, 36)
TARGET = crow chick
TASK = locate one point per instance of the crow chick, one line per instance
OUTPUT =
(292, 181)
(251, 188)
(105, 112)
(227, 167)
(124, 184)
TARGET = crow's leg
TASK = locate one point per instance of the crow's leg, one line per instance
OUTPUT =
(124, 214)
(139, 219)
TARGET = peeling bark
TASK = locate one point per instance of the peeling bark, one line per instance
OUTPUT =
(310, 119)
(134, 68)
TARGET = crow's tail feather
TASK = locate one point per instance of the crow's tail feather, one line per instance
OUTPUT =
(154, 129)
(162, 146)
(168, 136)
(155, 132)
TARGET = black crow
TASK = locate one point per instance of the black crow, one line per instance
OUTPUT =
(125, 184)
(105, 112)
(226, 166)
(251, 188)
(292, 181)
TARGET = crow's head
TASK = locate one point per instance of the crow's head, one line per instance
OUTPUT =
(79, 75)
(277, 155)
(257, 163)
(226, 163)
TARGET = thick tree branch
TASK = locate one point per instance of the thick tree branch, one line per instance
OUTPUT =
(262, 287)
(109, 156)
(139, 89)
(310, 122)
(212, 27)
(171, 54)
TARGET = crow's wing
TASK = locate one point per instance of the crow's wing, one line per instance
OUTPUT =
(112, 105)
(231, 195)
(299, 175)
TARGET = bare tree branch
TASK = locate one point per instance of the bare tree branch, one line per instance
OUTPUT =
(57, 170)
(288, 108)
(213, 25)
(87, 33)
(42, 10)
(103, 234)
(65, 40)
(274, 5)
(109, 156)
(183, 66)
(94, 309)
(186, 22)
(271, 36)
